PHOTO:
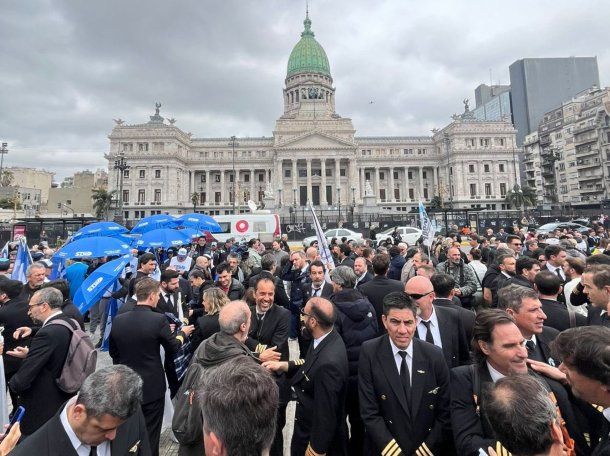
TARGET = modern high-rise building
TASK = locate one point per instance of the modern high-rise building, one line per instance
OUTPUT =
(492, 103)
(541, 84)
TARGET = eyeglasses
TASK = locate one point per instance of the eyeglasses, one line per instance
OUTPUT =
(35, 305)
(517, 245)
(416, 296)
(302, 312)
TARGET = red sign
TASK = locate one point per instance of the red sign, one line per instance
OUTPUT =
(242, 226)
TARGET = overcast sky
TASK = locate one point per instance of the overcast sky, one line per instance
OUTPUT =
(67, 68)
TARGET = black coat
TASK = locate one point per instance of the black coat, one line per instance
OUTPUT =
(71, 311)
(466, 316)
(34, 382)
(51, 439)
(174, 308)
(136, 338)
(206, 326)
(376, 290)
(367, 278)
(453, 337)
(603, 448)
(543, 346)
(320, 386)
(307, 291)
(356, 323)
(594, 317)
(383, 405)
(13, 315)
(558, 317)
(471, 428)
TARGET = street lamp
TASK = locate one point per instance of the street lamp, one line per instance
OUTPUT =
(294, 198)
(3, 150)
(233, 143)
(121, 165)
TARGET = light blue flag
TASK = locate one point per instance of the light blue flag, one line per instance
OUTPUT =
(22, 261)
(325, 254)
(113, 307)
(426, 225)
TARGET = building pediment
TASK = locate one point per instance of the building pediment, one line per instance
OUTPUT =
(315, 140)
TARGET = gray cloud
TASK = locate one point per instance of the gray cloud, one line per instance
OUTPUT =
(70, 67)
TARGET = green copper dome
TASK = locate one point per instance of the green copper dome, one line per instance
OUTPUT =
(308, 56)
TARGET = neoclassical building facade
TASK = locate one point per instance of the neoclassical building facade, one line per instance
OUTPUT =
(312, 156)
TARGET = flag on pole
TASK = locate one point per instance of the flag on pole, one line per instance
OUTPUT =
(426, 226)
(22, 261)
(4, 252)
(113, 307)
(325, 254)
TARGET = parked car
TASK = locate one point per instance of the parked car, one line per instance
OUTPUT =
(549, 227)
(335, 233)
(408, 234)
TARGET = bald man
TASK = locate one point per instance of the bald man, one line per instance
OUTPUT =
(440, 326)
(320, 424)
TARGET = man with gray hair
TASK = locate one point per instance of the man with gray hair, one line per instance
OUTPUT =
(523, 416)
(229, 343)
(35, 381)
(104, 418)
(36, 274)
(239, 402)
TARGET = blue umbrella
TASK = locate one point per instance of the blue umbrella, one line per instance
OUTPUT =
(94, 286)
(199, 222)
(93, 247)
(154, 222)
(163, 238)
(100, 229)
(191, 232)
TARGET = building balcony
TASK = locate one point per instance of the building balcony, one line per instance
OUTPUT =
(585, 151)
(591, 176)
(589, 163)
(591, 188)
(584, 128)
(590, 138)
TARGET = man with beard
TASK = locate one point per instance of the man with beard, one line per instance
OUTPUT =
(526, 269)
(506, 263)
(465, 279)
(596, 286)
(35, 273)
(35, 381)
(361, 269)
(319, 382)
(269, 331)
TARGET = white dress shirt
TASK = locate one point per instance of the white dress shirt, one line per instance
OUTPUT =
(82, 449)
(320, 339)
(51, 316)
(422, 331)
(495, 375)
(398, 358)
(553, 269)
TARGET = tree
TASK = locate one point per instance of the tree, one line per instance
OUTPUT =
(195, 200)
(9, 203)
(7, 178)
(522, 197)
(436, 203)
(102, 202)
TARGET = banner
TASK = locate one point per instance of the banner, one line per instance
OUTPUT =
(22, 261)
(325, 254)
(426, 226)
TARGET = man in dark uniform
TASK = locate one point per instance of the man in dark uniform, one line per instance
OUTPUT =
(320, 384)
(500, 350)
(404, 387)
(524, 306)
(585, 360)
(269, 329)
(136, 339)
(559, 317)
(596, 285)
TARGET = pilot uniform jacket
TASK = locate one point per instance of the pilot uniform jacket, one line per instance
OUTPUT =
(543, 346)
(307, 291)
(320, 383)
(603, 447)
(272, 331)
(453, 337)
(467, 316)
(51, 439)
(174, 307)
(471, 427)
(389, 421)
(35, 381)
(136, 338)
(13, 315)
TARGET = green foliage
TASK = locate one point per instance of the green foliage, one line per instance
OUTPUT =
(522, 197)
(102, 202)
(9, 203)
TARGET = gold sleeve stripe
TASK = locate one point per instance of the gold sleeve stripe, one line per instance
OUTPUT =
(311, 452)
(389, 448)
(426, 449)
(397, 451)
(299, 362)
(180, 338)
(501, 451)
(185, 321)
(260, 348)
(420, 452)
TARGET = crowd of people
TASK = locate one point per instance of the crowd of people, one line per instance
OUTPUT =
(490, 343)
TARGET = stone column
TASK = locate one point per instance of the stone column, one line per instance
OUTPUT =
(354, 178)
(338, 177)
(391, 180)
(421, 182)
(222, 187)
(323, 200)
(278, 175)
(406, 171)
(435, 181)
(253, 195)
(361, 184)
(494, 180)
(377, 185)
(309, 191)
(295, 182)
(208, 196)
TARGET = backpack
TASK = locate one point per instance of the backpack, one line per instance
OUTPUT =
(81, 358)
(187, 422)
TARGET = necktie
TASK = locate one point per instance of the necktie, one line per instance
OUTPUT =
(316, 292)
(558, 272)
(93, 451)
(429, 337)
(531, 348)
(259, 317)
(168, 297)
(404, 375)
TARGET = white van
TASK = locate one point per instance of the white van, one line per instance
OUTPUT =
(244, 227)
